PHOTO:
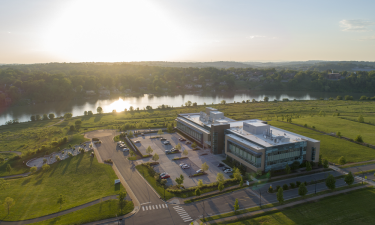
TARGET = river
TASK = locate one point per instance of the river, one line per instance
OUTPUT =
(77, 107)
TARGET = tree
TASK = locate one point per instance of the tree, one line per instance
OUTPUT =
(220, 177)
(45, 117)
(236, 206)
(78, 124)
(121, 200)
(51, 116)
(265, 99)
(302, 190)
(85, 113)
(349, 178)
(61, 200)
(45, 167)
(178, 147)
(338, 134)
(155, 157)
(37, 117)
(57, 158)
(308, 166)
(3, 184)
(325, 163)
(90, 113)
(180, 180)
(358, 138)
(99, 110)
(320, 163)
(342, 160)
(361, 119)
(339, 97)
(223, 102)
(130, 133)
(200, 183)
(68, 116)
(241, 182)
(237, 174)
(32, 118)
(287, 169)
(185, 152)
(8, 203)
(194, 145)
(170, 129)
(331, 182)
(33, 169)
(9, 168)
(220, 187)
(160, 132)
(280, 195)
(131, 153)
(149, 150)
(198, 192)
(204, 167)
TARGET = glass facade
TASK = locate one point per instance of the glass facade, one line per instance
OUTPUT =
(313, 153)
(192, 133)
(244, 153)
(214, 142)
(278, 157)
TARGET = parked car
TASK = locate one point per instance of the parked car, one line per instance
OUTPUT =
(165, 176)
(220, 165)
(142, 134)
(199, 171)
(167, 151)
(182, 139)
(125, 149)
(166, 143)
(188, 142)
(120, 143)
(182, 164)
(122, 146)
(225, 168)
(163, 139)
(185, 166)
(228, 171)
(137, 141)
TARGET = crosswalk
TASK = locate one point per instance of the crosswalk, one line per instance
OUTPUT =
(154, 207)
(182, 213)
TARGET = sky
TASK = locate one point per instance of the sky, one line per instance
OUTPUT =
(42, 31)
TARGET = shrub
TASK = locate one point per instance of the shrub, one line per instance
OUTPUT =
(277, 187)
(342, 160)
(292, 185)
(358, 138)
(298, 183)
(270, 189)
(108, 161)
(57, 158)
(70, 154)
(285, 187)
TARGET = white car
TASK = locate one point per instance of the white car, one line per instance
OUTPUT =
(182, 164)
(137, 141)
(185, 166)
(120, 143)
(166, 142)
(167, 151)
(125, 149)
(228, 171)
(199, 171)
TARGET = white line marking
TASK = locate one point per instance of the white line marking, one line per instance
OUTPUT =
(162, 205)
(146, 207)
(156, 206)
(153, 207)
(159, 206)
(143, 208)
(188, 220)
(166, 205)
(183, 214)
(184, 217)
(145, 203)
(177, 207)
(181, 210)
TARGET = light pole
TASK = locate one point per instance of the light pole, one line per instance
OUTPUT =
(260, 198)
(314, 183)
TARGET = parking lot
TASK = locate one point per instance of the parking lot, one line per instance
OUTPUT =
(195, 159)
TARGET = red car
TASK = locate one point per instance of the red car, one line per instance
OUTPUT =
(181, 139)
(165, 176)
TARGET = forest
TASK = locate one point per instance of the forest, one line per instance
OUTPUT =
(34, 83)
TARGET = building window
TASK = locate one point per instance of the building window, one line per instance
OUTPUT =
(242, 153)
(313, 153)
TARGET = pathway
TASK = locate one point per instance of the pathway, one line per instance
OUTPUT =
(17, 152)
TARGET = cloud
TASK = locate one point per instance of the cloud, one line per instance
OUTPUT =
(372, 38)
(356, 25)
(259, 36)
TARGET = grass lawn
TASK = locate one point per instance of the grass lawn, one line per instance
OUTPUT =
(80, 179)
(17, 168)
(101, 211)
(349, 129)
(355, 207)
(330, 147)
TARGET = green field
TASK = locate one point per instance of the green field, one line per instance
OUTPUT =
(17, 168)
(330, 147)
(100, 211)
(349, 129)
(354, 208)
(80, 179)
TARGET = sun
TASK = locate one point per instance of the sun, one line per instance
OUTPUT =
(115, 30)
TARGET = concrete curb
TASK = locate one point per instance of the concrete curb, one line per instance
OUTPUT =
(149, 185)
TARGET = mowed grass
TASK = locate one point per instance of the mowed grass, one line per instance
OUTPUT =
(17, 168)
(80, 179)
(356, 207)
(100, 211)
(330, 147)
(349, 129)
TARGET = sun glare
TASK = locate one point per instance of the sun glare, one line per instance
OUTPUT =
(115, 30)
(119, 105)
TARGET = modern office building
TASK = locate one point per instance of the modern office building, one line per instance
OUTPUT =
(253, 143)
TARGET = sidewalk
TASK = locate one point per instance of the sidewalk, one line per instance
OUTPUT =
(228, 219)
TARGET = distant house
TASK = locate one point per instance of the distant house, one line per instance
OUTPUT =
(334, 76)
(195, 79)
(104, 92)
(254, 79)
(128, 90)
(209, 84)
(198, 86)
(285, 80)
(90, 92)
(223, 83)
(188, 86)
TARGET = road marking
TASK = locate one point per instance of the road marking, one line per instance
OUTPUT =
(162, 205)
(146, 208)
(188, 220)
(153, 207)
(156, 206)
(145, 203)
(166, 205)
(182, 213)
(143, 208)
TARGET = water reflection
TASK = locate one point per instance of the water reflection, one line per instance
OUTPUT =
(23, 113)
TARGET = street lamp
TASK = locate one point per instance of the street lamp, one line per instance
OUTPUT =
(314, 183)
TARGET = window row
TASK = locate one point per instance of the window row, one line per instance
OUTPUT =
(197, 136)
(245, 155)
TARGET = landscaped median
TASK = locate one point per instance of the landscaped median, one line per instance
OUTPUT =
(253, 209)
(104, 210)
(148, 173)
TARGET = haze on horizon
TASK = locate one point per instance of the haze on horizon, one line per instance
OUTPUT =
(41, 31)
